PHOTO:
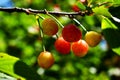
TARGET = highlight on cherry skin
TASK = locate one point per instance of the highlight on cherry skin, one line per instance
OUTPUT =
(62, 46)
(71, 33)
(45, 59)
(49, 26)
(80, 48)
(93, 38)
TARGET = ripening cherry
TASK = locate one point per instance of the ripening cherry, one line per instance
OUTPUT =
(71, 33)
(79, 48)
(62, 46)
(45, 59)
(93, 38)
(49, 26)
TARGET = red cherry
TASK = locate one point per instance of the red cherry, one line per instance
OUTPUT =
(71, 33)
(62, 46)
(45, 59)
(75, 8)
(79, 48)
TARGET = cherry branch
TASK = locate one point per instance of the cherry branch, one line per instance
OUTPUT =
(33, 11)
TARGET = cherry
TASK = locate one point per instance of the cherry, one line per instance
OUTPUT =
(62, 46)
(75, 8)
(45, 59)
(71, 33)
(93, 38)
(79, 48)
(49, 26)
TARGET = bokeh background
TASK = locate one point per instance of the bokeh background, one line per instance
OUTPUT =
(19, 36)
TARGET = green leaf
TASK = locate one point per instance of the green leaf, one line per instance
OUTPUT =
(111, 34)
(117, 50)
(81, 6)
(4, 76)
(16, 68)
(101, 11)
(7, 65)
(110, 2)
(116, 3)
(94, 2)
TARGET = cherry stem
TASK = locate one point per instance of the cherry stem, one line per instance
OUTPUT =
(80, 24)
(40, 16)
(41, 32)
(54, 19)
(57, 36)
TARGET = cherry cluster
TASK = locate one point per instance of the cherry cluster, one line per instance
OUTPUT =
(70, 40)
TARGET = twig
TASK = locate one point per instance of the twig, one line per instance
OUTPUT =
(80, 24)
(33, 11)
(41, 32)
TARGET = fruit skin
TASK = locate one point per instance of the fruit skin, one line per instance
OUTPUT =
(45, 59)
(71, 33)
(62, 46)
(49, 26)
(79, 48)
(93, 38)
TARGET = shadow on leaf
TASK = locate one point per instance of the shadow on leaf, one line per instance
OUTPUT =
(25, 71)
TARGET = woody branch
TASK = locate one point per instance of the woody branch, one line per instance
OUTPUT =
(33, 11)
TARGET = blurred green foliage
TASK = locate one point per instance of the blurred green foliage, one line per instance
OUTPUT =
(19, 37)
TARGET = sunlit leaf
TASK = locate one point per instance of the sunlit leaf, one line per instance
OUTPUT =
(101, 11)
(4, 76)
(16, 68)
(96, 2)
(7, 65)
(116, 2)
